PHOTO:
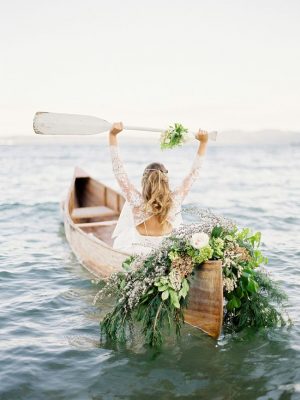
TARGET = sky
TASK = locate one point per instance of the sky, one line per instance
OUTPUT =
(209, 64)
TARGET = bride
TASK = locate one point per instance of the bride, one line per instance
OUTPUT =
(150, 215)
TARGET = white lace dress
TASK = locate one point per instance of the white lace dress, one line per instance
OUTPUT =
(126, 236)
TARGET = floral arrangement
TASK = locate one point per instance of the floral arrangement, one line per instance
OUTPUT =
(153, 290)
(174, 136)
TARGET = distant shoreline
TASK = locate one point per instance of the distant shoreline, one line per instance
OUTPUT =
(224, 138)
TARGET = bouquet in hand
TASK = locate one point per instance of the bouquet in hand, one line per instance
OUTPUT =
(174, 136)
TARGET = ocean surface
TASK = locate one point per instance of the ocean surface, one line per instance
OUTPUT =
(49, 328)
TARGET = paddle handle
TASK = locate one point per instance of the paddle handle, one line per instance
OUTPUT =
(212, 135)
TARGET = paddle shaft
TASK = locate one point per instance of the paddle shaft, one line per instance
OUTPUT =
(211, 135)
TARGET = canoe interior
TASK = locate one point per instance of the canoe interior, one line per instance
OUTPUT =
(94, 207)
(102, 233)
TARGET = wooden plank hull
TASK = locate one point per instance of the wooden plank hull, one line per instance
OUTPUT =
(205, 303)
(98, 258)
(91, 243)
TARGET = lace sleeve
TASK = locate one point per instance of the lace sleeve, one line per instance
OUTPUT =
(130, 193)
(187, 182)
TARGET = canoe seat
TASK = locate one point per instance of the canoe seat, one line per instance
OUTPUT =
(92, 212)
(97, 224)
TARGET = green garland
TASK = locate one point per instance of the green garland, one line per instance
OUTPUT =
(153, 291)
(250, 293)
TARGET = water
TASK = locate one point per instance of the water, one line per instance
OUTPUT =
(50, 346)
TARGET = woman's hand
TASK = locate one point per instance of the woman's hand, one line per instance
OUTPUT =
(202, 136)
(116, 128)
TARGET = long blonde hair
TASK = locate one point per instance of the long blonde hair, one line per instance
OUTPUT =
(156, 191)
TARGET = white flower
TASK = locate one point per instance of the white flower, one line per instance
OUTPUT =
(229, 284)
(199, 240)
(175, 279)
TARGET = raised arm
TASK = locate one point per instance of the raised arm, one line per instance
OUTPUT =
(127, 188)
(194, 173)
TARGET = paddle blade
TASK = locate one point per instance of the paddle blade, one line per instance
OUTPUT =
(47, 123)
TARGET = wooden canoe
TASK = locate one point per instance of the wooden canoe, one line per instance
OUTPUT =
(91, 210)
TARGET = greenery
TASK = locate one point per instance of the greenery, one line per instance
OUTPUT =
(174, 136)
(153, 290)
(249, 292)
(149, 297)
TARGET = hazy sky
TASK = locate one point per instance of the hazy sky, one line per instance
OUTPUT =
(210, 64)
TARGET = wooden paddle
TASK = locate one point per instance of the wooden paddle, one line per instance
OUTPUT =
(48, 123)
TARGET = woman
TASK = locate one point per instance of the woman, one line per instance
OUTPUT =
(148, 217)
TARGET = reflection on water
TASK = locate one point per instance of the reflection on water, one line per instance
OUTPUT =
(50, 345)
